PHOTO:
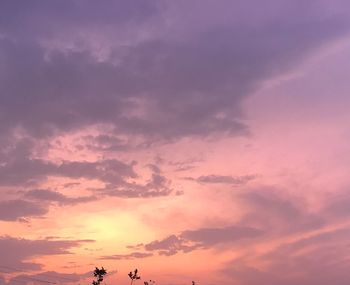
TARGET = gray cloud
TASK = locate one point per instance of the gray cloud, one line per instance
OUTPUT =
(19, 168)
(201, 239)
(278, 213)
(47, 277)
(268, 215)
(158, 185)
(319, 259)
(170, 245)
(12, 210)
(317, 252)
(159, 87)
(105, 142)
(212, 236)
(223, 179)
(17, 253)
(338, 207)
(187, 77)
(17, 19)
(54, 196)
(133, 255)
(308, 248)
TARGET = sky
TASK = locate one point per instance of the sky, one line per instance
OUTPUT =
(203, 140)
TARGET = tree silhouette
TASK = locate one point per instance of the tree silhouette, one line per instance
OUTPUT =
(134, 276)
(99, 274)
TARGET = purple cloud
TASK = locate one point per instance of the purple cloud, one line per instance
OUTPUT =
(201, 239)
(12, 210)
(18, 168)
(46, 195)
(17, 253)
(223, 179)
(319, 259)
(47, 277)
(277, 214)
(170, 76)
(132, 255)
(22, 171)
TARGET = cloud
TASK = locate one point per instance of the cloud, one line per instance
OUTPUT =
(278, 213)
(202, 238)
(12, 210)
(157, 186)
(19, 168)
(170, 245)
(28, 171)
(223, 179)
(54, 196)
(212, 236)
(17, 253)
(48, 277)
(188, 77)
(319, 259)
(306, 247)
(149, 73)
(105, 142)
(133, 255)
(267, 214)
(337, 206)
(66, 15)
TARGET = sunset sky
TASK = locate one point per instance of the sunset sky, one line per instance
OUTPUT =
(202, 140)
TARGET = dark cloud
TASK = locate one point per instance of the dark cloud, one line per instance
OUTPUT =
(89, 93)
(201, 239)
(18, 168)
(309, 248)
(12, 210)
(268, 214)
(337, 206)
(212, 236)
(47, 277)
(105, 142)
(16, 254)
(158, 185)
(319, 259)
(185, 164)
(170, 245)
(54, 196)
(133, 255)
(223, 179)
(279, 213)
(177, 82)
(155, 169)
(26, 21)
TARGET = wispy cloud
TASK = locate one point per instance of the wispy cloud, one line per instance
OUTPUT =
(201, 239)
(133, 255)
(223, 179)
(17, 253)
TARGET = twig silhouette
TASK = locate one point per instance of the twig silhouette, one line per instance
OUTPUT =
(134, 276)
(99, 274)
